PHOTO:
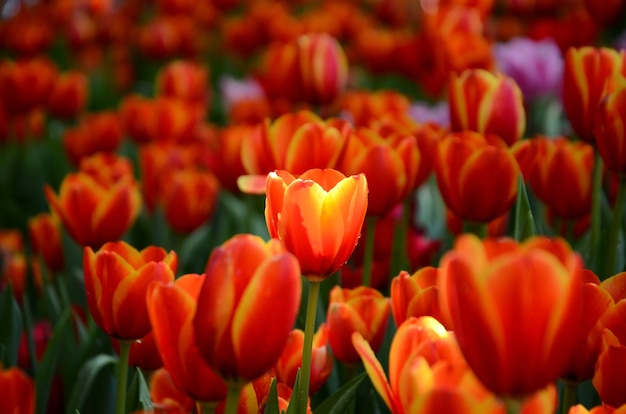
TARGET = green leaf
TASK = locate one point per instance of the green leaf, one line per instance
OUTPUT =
(339, 401)
(47, 366)
(271, 407)
(138, 394)
(524, 220)
(10, 328)
(85, 379)
(294, 402)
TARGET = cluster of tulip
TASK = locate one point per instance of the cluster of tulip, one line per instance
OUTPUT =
(252, 205)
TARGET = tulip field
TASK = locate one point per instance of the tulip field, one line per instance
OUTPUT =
(312, 206)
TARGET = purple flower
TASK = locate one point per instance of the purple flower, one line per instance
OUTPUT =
(438, 113)
(536, 66)
(236, 90)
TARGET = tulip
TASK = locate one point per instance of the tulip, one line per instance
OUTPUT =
(290, 360)
(184, 80)
(116, 280)
(587, 70)
(166, 396)
(98, 132)
(477, 176)
(365, 108)
(560, 173)
(294, 142)
(68, 97)
(363, 310)
(25, 84)
(107, 168)
(224, 155)
(44, 232)
(189, 198)
(247, 281)
(323, 67)
(609, 374)
(610, 128)
(18, 391)
(175, 337)
(390, 164)
(91, 213)
(318, 216)
(416, 295)
(487, 103)
(13, 270)
(487, 286)
(427, 373)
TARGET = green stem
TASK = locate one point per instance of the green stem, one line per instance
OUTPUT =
(513, 405)
(307, 350)
(479, 229)
(122, 376)
(368, 254)
(568, 396)
(596, 216)
(232, 398)
(205, 407)
(616, 225)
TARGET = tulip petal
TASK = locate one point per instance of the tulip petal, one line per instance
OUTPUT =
(275, 289)
(374, 371)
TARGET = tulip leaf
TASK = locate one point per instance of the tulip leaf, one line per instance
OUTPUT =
(272, 400)
(138, 395)
(10, 328)
(294, 402)
(47, 368)
(85, 379)
(340, 400)
(524, 221)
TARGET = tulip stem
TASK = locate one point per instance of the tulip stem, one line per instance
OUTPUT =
(513, 405)
(232, 398)
(307, 350)
(596, 216)
(205, 407)
(569, 396)
(368, 254)
(122, 376)
(616, 226)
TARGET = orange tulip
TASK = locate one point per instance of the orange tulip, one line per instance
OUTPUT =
(97, 132)
(184, 80)
(477, 176)
(489, 103)
(390, 164)
(166, 396)
(91, 213)
(290, 361)
(224, 155)
(417, 295)
(610, 128)
(295, 142)
(107, 168)
(559, 172)
(13, 270)
(365, 108)
(427, 373)
(68, 97)
(515, 309)
(189, 198)
(174, 334)
(323, 67)
(248, 281)
(318, 216)
(25, 84)
(596, 304)
(586, 72)
(18, 391)
(44, 232)
(610, 375)
(363, 310)
(116, 281)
